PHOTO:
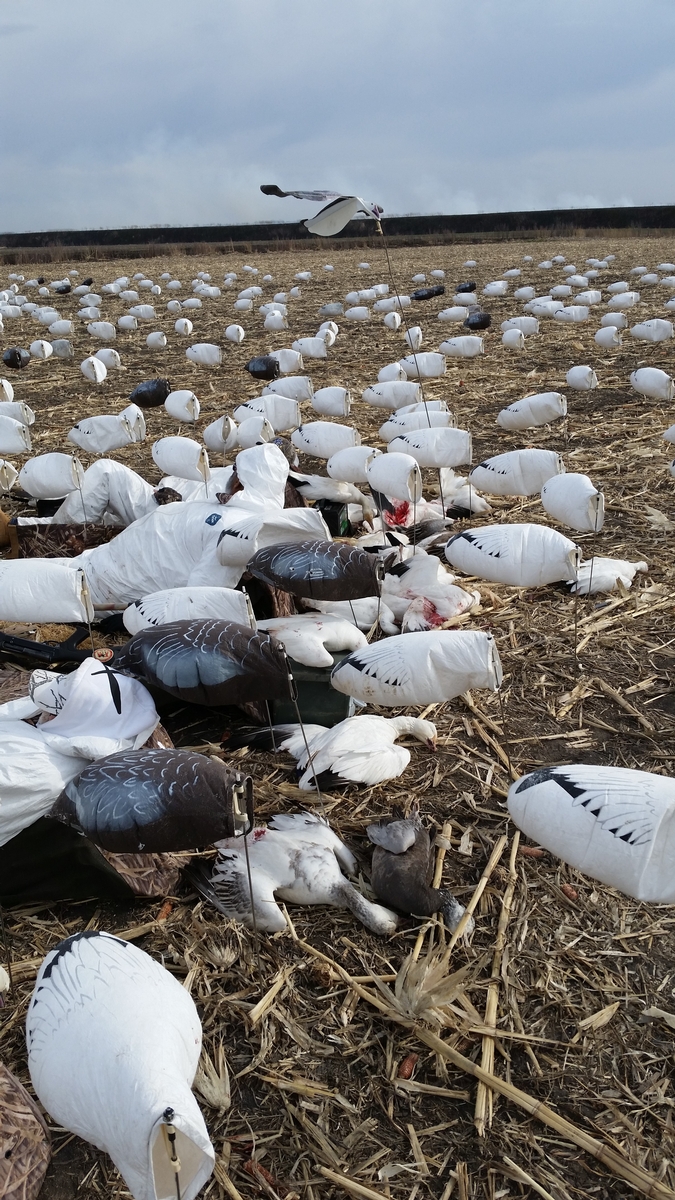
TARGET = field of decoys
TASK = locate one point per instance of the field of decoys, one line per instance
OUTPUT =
(336, 657)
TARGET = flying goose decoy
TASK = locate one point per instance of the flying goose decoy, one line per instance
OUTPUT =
(113, 1046)
(297, 858)
(402, 870)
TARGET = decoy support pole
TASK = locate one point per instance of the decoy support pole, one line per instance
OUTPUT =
(292, 687)
(169, 1132)
(8, 949)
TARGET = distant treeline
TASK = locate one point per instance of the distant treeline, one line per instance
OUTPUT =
(562, 221)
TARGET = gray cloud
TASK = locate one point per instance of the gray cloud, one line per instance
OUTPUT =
(163, 112)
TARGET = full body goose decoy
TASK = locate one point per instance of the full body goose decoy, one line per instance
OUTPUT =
(156, 801)
(402, 870)
(296, 858)
(113, 1047)
(358, 750)
(24, 1139)
(207, 662)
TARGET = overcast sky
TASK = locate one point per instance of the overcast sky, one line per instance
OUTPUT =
(140, 112)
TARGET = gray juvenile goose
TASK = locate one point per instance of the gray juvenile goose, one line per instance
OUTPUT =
(402, 870)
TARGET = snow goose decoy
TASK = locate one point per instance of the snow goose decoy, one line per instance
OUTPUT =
(520, 555)
(612, 823)
(318, 570)
(25, 1148)
(208, 662)
(156, 801)
(335, 215)
(297, 858)
(402, 869)
(420, 668)
(151, 393)
(113, 1046)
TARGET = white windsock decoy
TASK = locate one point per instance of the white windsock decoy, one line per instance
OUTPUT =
(332, 402)
(193, 303)
(391, 304)
(283, 414)
(174, 285)
(396, 476)
(100, 435)
(513, 339)
(42, 349)
(311, 347)
(14, 436)
(18, 410)
(105, 330)
(89, 314)
(183, 327)
(323, 439)
(183, 457)
(113, 1047)
(182, 405)
(544, 308)
(234, 333)
(588, 298)
(574, 313)
(173, 307)
(618, 288)
(221, 435)
(420, 668)
(652, 382)
(561, 292)
(499, 287)
(419, 279)
(532, 411)
(615, 824)
(93, 369)
(334, 328)
(60, 328)
(458, 313)
(524, 293)
(8, 476)
(391, 372)
(328, 336)
(146, 312)
(6, 390)
(524, 555)
(517, 472)
(127, 323)
(669, 435)
(414, 337)
(186, 604)
(51, 476)
(110, 358)
(434, 447)
(351, 465)
(296, 387)
(134, 415)
(358, 312)
(427, 365)
(468, 346)
(253, 430)
(624, 300)
(574, 501)
(394, 394)
(608, 336)
(205, 354)
(392, 320)
(582, 379)
(288, 360)
(618, 319)
(275, 322)
(402, 423)
(156, 340)
(465, 298)
(652, 331)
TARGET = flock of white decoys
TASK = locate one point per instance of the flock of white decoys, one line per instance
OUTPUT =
(82, 747)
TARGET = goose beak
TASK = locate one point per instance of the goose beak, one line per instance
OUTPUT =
(431, 744)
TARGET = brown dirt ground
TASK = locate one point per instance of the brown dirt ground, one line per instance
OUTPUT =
(572, 947)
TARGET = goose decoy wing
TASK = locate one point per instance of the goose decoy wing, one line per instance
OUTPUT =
(207, 662)
(628, 811)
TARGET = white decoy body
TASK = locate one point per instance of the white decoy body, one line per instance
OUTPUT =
(309, 637)
(357, 750)
(297, 858)
(420, 668)
(113, 1047)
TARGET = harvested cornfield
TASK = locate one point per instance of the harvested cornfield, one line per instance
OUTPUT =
(336, 1063)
